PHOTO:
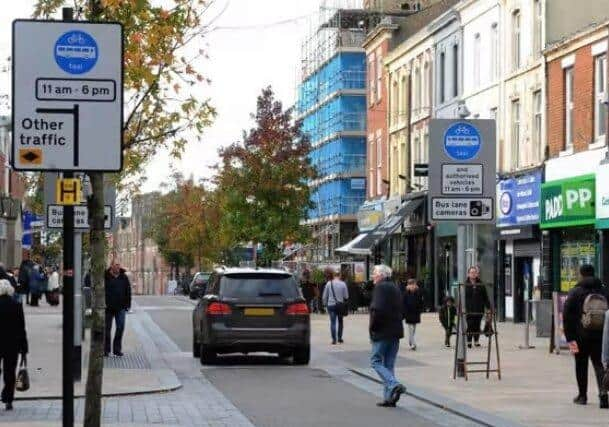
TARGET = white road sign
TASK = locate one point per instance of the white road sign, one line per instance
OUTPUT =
(462, 170)
(81, 217)
(67, 96)
(453, 209)
(462, 179)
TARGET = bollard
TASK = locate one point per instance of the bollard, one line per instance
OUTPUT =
(527, 322)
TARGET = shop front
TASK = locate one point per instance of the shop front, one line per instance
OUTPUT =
(602, 219)
(401, 241)
(518, 243)
(568, 220)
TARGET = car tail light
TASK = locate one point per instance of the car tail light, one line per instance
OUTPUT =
(298, 309)
(218, 309)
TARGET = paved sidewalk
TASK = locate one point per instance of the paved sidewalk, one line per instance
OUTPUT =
(132, 374)
(536, 387)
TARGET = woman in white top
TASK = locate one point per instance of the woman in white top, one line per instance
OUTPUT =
(53, 283)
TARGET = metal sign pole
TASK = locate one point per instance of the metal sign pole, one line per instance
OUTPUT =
(68, 297)
(78, 309)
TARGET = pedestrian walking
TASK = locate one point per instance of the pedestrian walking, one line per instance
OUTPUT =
(118, 303)
(448, 315)
(13, 340)
(38, 283)
(413, 306)
(308, 288)
(476, 304)
(23, 278)
(583, 321)
(52, 293)
(335, 298)
(386, 331)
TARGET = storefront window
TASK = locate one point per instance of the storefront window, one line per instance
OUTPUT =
(578, 247)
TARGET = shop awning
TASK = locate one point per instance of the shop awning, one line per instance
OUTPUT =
(364, 243)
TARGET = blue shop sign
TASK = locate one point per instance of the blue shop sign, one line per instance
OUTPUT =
(519, 200)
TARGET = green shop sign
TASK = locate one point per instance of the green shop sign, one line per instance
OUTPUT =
(568, 202)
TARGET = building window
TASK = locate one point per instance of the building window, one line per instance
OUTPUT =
(515, 137)
(537, 28)
(600, 88)
(537, 112)
(568, 108)
(379, 78)
(428, 79)
(516, 40)
(442, 71)
(371, 165)
(395, 103)
(417, 91)
(455, 70)
(416, 149)
(372, 80)
(494, 51)
(379, 163)
(403, 107)
(477, 42)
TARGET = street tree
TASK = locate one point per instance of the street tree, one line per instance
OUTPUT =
(160, 113)
(263, 180)
(186, 223)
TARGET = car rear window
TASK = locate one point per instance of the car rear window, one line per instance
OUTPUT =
(203, 276)
(258, 285)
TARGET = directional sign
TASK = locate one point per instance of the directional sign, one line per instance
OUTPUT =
(81, 217)
(462, 170)
(67, 96)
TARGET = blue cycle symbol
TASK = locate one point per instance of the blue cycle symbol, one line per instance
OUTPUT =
(462, 141)
(76, 52)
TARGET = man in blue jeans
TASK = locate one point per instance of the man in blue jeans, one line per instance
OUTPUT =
(118, 303)
(386, 330)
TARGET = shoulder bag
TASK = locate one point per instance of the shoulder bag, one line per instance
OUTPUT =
(22, 382)
(341, 307)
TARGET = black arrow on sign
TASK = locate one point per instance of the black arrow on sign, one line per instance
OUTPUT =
(74, 112)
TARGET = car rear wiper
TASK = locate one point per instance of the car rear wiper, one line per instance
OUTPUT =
(270, 294)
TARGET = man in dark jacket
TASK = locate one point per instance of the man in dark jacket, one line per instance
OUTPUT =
(386, 330)
(13, 339)
(585, 343)
(118, 303)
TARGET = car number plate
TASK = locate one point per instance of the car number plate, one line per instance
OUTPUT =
(259, 311)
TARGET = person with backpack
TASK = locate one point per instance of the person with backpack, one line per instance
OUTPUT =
(335, 298)
(583, 321)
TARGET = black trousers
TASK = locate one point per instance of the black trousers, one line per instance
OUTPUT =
(474, 322)
(119, 318)
(448, 333)
(9, 369)
(589, 350)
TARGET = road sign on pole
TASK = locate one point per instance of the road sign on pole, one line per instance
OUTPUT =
(67, 96)
(462, 169)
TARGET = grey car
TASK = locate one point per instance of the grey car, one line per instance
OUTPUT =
(246, 310)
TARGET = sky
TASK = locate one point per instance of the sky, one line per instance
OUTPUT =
(256, 43)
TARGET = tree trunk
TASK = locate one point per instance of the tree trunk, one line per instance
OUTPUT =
(255, 253)
(93, 403)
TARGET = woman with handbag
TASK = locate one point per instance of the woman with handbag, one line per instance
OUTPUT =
(13, 340)
(335, 298)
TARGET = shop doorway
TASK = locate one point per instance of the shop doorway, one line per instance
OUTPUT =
(523, 285)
